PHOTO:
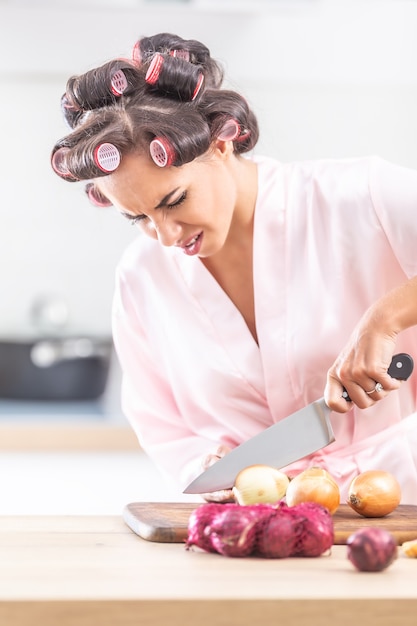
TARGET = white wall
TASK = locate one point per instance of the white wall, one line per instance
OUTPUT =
(326, 77)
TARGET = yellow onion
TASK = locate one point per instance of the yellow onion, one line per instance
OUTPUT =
(374, 493)
(314, 484)
(260, 484)
(410, 548)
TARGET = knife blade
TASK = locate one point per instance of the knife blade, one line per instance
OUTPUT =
(307, 430)
(297, 435)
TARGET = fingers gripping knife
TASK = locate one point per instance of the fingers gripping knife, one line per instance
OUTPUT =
(293, 438)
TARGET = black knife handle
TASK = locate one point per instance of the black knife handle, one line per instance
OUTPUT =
(400, 368)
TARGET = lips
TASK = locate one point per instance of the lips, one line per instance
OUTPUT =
(193, 245)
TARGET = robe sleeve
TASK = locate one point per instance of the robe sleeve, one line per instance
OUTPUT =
(394, 193)
(147, 399)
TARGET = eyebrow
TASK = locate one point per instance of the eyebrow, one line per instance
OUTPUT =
(165, 199)
(164, 202)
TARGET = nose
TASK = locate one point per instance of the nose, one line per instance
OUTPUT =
(168, 231)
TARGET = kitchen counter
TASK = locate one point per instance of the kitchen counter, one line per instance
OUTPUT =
(64, 426)
(89, 570)
(65, 434)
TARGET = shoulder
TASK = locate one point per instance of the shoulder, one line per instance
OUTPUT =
(316, 182)
(322, 169)
(315, 169)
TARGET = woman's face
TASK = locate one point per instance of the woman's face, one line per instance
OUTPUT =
(191, 206)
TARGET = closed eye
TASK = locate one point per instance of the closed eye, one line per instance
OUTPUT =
(135, 219)
(177, 202)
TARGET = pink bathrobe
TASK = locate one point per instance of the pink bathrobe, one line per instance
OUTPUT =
(330, 238)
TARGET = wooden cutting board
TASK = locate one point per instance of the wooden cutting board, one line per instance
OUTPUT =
(166, 522)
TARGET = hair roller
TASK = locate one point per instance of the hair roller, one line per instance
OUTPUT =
(118, 83)
(59, 163)
(100, 87)
(68, 103)
(174, 77)
(180, 54)
(199, 84)
(107, 157)
(230, 131)
(96, 197)
(245, 134)
(162, 152)
(70, 111)
(154, 69)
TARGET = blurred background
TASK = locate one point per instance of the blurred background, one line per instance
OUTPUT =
(327, 78)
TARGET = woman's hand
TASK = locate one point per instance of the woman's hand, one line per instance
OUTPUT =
(224, 495)
(363, 376)
(361, 368)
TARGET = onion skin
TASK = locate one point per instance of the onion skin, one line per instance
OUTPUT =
(257, 484)
(228, 529)
(371, 549)
(279, 536)
(197, 524)
(314, 484)
(318, 531)
(265, 530)
(374, 493)
(233, 531)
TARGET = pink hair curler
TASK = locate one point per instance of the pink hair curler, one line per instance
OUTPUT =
(198, 86)
(245, 134)
(154, 69)
(230, 131)
(118, 83)
(180, 54)
(59, 163)
(162, 152)
(107, 157)
(68, 103)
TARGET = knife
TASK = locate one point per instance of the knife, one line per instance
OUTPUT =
(296, 436)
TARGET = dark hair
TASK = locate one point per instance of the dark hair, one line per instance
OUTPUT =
(172, 89)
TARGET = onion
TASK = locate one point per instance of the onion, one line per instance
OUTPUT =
(317, 529)
(410, 548)
(260, 484)
(374, 493)
(271, 531)
(279, 534)
(314, 484)
(233, 530)
(371, 549)
(198, 521)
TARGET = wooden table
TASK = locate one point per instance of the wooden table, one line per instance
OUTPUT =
(85, 571)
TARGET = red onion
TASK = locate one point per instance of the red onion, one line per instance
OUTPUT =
(233, 531)
(371, 549)
(198, 522)
(317, 529)
(279, 534)
(271, 531)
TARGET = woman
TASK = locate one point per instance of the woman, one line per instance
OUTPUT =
(251, 278)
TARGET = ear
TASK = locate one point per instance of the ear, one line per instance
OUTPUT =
(222, 148)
